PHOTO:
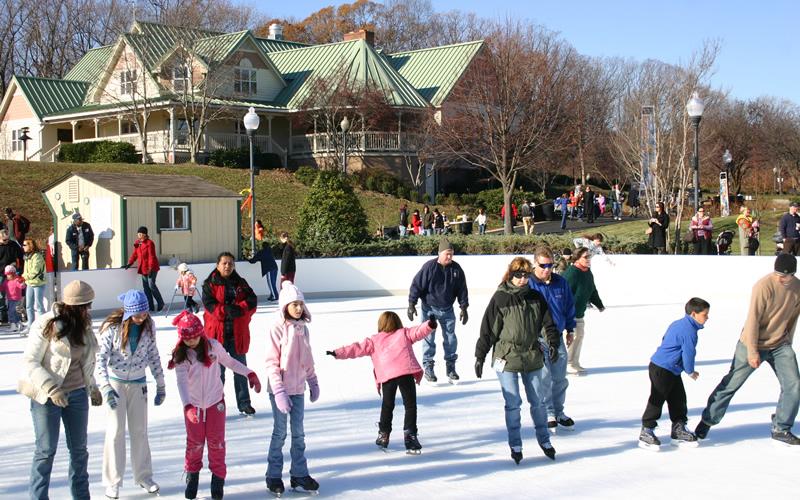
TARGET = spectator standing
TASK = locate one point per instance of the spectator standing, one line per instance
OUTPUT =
(438, 284)
(702, 227)
(481, 220)
(427, 221)
(527, 217)
(288, 264)
(403, 226)
(514, 214)
(17, 225)
(34, 276)
(588, 204)
(144, 251)
(789, 227)
(563, 202)
(438, 222)
(659, 223)
(746, 231)
(616, 202)
(416, 223)
(79, 239)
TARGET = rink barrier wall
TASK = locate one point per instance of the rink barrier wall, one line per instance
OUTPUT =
(622, 280)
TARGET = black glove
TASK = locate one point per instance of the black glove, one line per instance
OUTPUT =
(478, 368)
(553, 351)
(464, 317)
(330, 353)
(126, 266)
(233, 310)
(432, 321)
(412, 311)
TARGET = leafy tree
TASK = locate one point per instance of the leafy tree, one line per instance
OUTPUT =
(331, 213)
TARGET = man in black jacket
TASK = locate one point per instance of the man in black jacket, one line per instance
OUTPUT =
(79, 238)
(438, 284)
(789, 227)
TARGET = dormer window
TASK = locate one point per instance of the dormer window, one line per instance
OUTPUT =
(180, 78)
(127, 81)
(244, 78)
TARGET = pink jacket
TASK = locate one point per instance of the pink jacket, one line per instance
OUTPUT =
(702, 228)
(289, 359)
(187, 284)
(200, 385)
(13, 288)
(392, 353)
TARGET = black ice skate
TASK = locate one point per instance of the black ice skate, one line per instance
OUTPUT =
(452, 376)
(548, 450)
(552, 426)
(429, 375)
(566, 423)
(681, 436)
(307, 483)
(701, 431)
(192, 478)
(275, 486)
(383, 440)
(412, 444)
(516, 455)
(247, 411)
(785, 438)
(217, 487)
(648, 440)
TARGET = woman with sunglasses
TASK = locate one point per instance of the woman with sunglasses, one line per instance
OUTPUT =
(702, 227)
(581, 282)
(658, 223)
(516, 317)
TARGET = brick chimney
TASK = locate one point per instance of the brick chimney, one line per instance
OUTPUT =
(362, 34)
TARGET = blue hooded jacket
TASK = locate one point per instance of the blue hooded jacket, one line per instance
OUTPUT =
(559, 299)
(677, 350)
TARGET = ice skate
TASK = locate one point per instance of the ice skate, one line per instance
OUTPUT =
(516, 455)
(785, 438)
(149, 486)
(112, 491)
(701, 431)
(248, 411)
(548, 450)
(383, 440)
(412, 444)
(648, 440)
(429, 375)
(192, 478)
(552, 426)
(217, 487)
(452, 376)
(681, 436)
(275, 486)
(307, 483)
(565, 423)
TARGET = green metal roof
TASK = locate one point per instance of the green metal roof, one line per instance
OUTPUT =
(356, 58)
(269, 45)
(48, 96)
(435, 71)
(90, 66)
(215, 49)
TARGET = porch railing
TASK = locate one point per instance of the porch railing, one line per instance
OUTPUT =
(356, 141)
(156, 141)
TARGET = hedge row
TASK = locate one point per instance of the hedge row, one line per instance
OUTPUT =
(240, 158)
(98, 152)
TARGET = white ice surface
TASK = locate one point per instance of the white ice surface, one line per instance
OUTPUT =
(465, 452)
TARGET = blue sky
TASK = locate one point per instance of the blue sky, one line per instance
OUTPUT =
(760, 43)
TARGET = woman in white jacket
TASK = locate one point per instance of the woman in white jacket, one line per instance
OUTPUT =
(127, 348)
(59, 376)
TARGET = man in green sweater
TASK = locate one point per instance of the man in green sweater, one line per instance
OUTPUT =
(767, 336)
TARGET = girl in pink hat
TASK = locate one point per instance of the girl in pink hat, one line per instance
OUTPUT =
(196, 360)
(14, 288)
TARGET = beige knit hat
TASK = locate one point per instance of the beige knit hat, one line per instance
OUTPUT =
(77, 293)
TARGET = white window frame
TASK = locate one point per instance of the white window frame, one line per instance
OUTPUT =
(171, 218)
(127, 81)
(16, 143)
(127, 127)
(180, 78)
(244, 81)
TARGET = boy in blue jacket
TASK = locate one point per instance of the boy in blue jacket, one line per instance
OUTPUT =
(675, 355)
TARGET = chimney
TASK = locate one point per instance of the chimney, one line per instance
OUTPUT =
(362, 34)
(275, 31)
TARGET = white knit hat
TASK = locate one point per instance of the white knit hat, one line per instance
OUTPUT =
(77, 293)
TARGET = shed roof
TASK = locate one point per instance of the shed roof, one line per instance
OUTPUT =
(151, 185)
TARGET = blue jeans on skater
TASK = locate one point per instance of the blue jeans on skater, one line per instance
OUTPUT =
(271, 278)
(616, 209)
(34, 296)
(447, 322)
(151, 290)
(299, 467)
(563, 218)
(532, 382)
(240, 384)
(47, 420)
(783, 362)
(554, 382)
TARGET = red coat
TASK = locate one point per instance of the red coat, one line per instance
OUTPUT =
(214, 314)
(145, 252)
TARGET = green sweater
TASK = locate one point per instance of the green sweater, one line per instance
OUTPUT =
(34, 269)
(582, 285)
(512, 325)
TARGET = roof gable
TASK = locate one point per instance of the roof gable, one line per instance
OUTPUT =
(90, 66)
(46, 96)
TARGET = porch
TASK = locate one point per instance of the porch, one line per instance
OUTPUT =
(364, 142)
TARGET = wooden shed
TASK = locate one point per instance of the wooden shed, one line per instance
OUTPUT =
(186, 216)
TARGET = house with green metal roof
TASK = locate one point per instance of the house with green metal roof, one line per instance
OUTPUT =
(135, 90)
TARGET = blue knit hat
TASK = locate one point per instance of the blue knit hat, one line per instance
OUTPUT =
(133, 302)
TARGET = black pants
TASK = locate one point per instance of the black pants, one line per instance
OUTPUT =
(703, 247)
(664, 386)
(408, 390)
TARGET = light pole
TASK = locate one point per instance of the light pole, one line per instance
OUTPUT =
(24, 137)
(694, 108)
(727, 158)
(251, 121)
(345, 125)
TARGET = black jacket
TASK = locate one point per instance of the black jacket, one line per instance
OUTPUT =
(438, 286)
(265, 258)
(288, 264)
(11, 253)
(658, 238)
(72, 235)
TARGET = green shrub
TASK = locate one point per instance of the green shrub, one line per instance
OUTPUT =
(492, 199)
(98, 152)
(388, 185)
(371, 183)
(240, 158)
(306, 175)
(331, 213)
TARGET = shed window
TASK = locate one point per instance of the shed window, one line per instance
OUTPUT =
(173, 216)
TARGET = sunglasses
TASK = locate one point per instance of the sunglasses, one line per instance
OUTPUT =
(545, 266)
(520, 274)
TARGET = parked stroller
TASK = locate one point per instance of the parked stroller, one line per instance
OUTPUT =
(724, 242)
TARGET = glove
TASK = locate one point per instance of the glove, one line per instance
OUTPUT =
(553, 351)
(331, 353)
(432, 321)
(478, 368)
(59, 398)
(96, 397)
(111, 396)
(412, 311)
(282, 401)
(570, 338)
(191, 414)
(255, 384)
(233, 310)
(126, 266)
(313, 388)
(464, 317)
(161, 393)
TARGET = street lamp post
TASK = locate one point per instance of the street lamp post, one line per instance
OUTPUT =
(694, 108)
(251, 121)
(24, 137)
(345, 125)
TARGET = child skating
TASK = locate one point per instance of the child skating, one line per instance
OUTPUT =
(196, 360)
(14, 288)
(395, 367)
(187, 286)
(675, 355)
(290, 366)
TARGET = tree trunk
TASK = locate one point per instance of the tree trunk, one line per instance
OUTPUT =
(508, 190)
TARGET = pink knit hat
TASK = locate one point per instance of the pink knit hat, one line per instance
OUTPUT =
(10, 269)
(189, 326)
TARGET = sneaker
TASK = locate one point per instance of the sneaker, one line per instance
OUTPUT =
(112, 491)
(701, 431)
(681, 436)
(786, 437)
(383, 440)
(248, 410)
(552, 425)
(306, 482)
(412, 443)
(192, 478)
(548, 450)
(217, 487)
(429, 375)
(565, 423)
(149, 486)
(275, 486)
(648, 439)
(516, 455)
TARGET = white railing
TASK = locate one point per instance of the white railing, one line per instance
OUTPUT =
(156, 141)
(51, 155)
(356, 141)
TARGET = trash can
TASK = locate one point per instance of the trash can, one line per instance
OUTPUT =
(548, 211)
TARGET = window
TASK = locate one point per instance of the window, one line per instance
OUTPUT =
(180, 78)
(173, 216)
(16, 143)
(244, 78)
(127, 81)
(127, 127)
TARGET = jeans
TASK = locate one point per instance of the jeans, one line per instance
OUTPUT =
(427, 232)
(481, 228)
(563, 219)
(151, 290)
(13, 315)
(616, 209)
(239, 381)
(783, 362)
(664, 386)
(532, 382)
(34, 296)
(408, 390)
(271, 277)
(46, 427)
(447, 320)
(402, 230)
(83, 257)
(299, 467)
(554, 382)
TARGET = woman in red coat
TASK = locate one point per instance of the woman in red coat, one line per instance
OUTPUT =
(144, 250)
(229, 304)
